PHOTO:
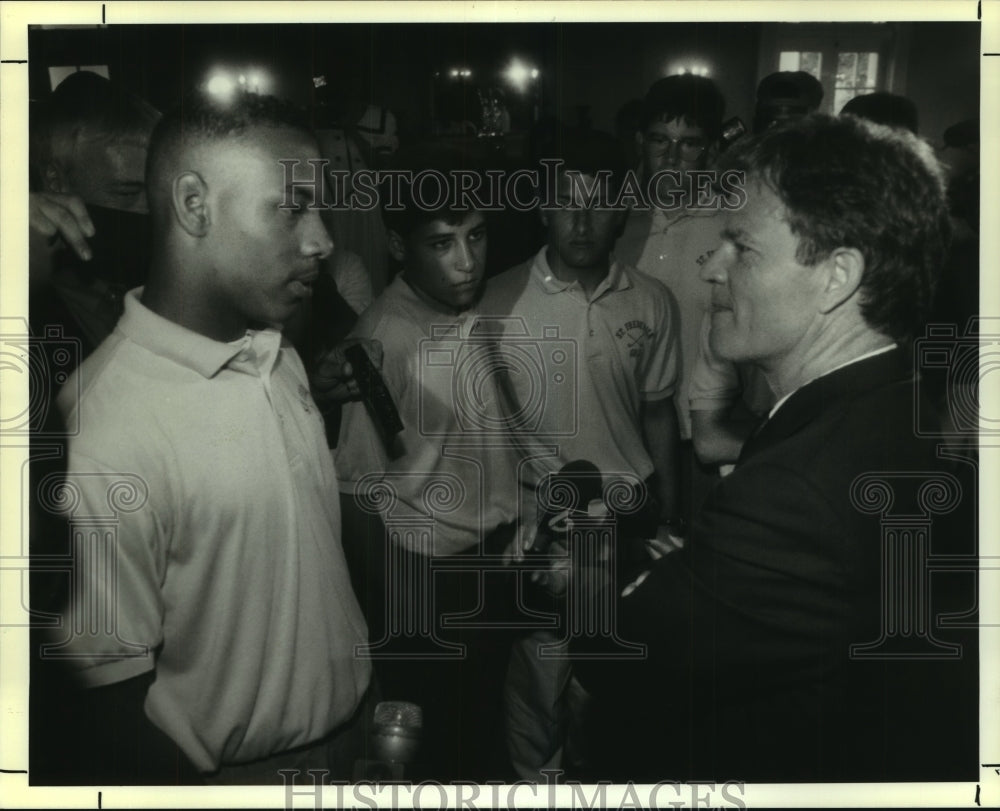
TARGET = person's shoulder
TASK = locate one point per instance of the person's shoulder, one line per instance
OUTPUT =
(111, 406)
(397, 319)
(99, 377)
(647, 288)
(382, 317)
(511, 277)
(504, 289)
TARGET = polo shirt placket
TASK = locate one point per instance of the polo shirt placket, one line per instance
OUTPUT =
(233, 568)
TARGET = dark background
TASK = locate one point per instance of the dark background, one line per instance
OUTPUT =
(586, 70)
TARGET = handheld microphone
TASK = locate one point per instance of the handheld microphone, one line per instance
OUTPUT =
(397, 727)
(571, 488)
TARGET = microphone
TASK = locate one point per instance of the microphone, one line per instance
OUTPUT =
(397, 727)
(571, 489)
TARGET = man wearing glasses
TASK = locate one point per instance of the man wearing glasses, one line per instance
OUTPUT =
(676, 233)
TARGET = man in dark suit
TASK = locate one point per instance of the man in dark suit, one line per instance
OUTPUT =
(794, 637)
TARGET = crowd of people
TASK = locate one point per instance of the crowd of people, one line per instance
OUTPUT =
(628, 520)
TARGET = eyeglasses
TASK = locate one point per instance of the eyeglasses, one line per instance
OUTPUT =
(688, 149)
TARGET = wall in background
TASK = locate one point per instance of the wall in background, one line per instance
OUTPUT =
(942, 76)
(605, 65)
(586, 70)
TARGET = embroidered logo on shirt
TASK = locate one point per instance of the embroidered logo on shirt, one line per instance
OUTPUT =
(635, 334)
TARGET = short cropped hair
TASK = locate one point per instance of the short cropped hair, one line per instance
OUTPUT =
(202, 119)
(86, 106)
(846, 182)
(407, 205)
(691, 98)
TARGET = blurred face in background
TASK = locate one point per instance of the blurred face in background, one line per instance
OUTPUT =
(581, 231)
(102, 168)
(678, 145)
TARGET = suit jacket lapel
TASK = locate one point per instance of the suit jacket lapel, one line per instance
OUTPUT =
(825, 392)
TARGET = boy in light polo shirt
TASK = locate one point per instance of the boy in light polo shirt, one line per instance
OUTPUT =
(621, 418)
(453, 490)
(673, 237)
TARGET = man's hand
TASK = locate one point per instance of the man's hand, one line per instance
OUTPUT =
(664, 543)
(61, 215)
(587, 565)
(333, 381)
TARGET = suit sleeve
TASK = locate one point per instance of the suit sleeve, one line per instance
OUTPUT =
(756, 589)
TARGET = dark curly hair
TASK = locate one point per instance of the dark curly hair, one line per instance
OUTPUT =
(846, 182)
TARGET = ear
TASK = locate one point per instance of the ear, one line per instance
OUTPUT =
(189, 202)
(844, 269)
(397, 246)
(639, 140)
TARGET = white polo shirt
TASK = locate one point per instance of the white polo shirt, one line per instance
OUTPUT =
(601, 356)
(673, 252)
(443, 468)
(230, 568)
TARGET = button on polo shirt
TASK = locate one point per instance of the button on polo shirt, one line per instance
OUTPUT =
(602, 356)
(230, 570)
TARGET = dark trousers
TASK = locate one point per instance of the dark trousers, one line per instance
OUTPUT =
(424, 652)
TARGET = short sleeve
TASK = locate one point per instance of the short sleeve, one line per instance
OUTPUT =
(360, 450)
(113, 622)
(658, 378)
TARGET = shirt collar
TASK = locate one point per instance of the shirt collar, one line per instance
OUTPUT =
(440, 319)
(257, 350)
(858, 359)
(617, 278)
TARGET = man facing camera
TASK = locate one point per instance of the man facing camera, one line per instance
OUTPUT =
(606, 400)
(235, 622)
(454, 494)
(778, 647)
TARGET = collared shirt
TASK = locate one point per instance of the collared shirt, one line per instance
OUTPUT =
(858, 359)
(230, 579)
(589, 361)
(452, 469)
(673, 252)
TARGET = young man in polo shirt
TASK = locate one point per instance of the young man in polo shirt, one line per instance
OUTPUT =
(619, 413)
(454, 491)
(233, 648)
(675, 234)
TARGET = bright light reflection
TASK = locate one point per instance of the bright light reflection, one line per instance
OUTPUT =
(221, 86)
(519, 74)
